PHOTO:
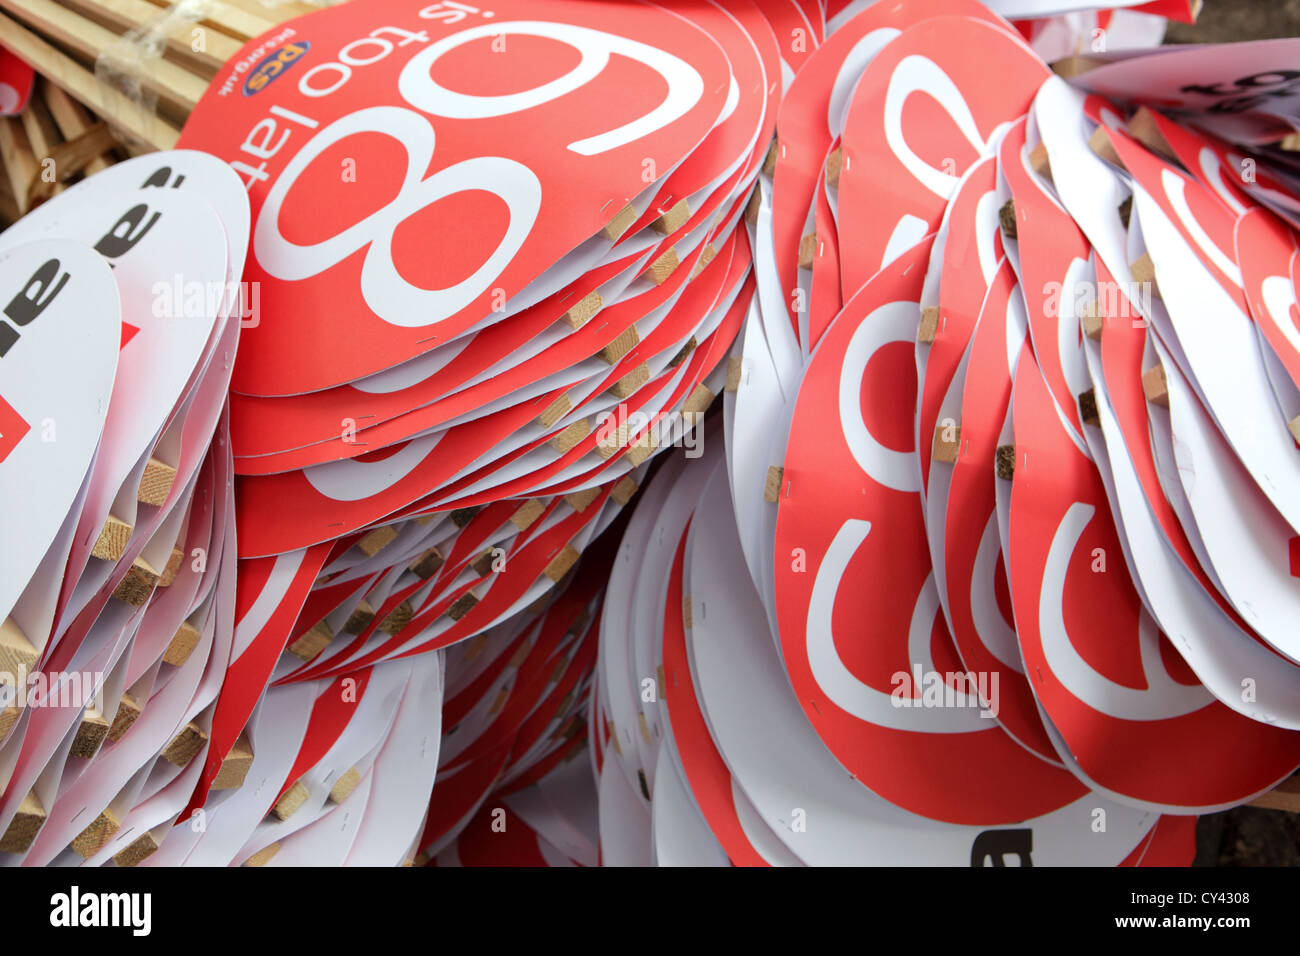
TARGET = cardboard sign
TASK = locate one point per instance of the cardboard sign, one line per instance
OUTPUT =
(377, 280)
(963, 262)
(904, 153)
(1109, 681)
(1247, 92)
(1212, 637)
(55, 398)
(763, 731)
(813, 112)
(867, 699)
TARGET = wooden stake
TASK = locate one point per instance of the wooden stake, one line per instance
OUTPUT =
(569, 437)
(928, 330)
(673, 219)
(462, 605)
(263, 856)
(752, 207)
(620, 223)
(399, 617)
(17, 654)
(481, 565)
(173, 568)
(1155, 386)
(292, 800)
(90, 734)
(235, 766)
(528, 512)
(124, 15)
(1039, 161)
(127, 712)
(627, 386)
(1144, 128)
(138, 584)
(615, 351)
(1144, 270)
(96, 836)
(313, 642)
(156, 482)
(377, 540)
(561, 563)
(1285, 796)
(461, 517)
(344, 786)
(1005, 462)
(735, 365)
(139, 850)
(112, 541)
(623, 490)
(1092, 322)
(243, 21)
(42, 136)
(1088, 408)
(581, 314)
(9, 716)
(182, 645)
(27, 822)
(663, 267)
(427, 564)
(185, 745)
(684, 352)
(1073, 66)
(834, 167)
(772, 484)
(360, 618)
(642, 449)
(698, 402)
(946, 444)
(1100, 144)
(808, 251)
(555, 411)
(581, 500)
(1007, 218)
(72, 157)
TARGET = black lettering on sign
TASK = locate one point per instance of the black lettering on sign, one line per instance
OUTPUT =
(160, 176)
(36, 295)
(1249, 92)
(126, 232)
(996, 845)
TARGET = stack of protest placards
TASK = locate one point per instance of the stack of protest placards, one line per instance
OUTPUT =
(1000, 561)
(319, 433)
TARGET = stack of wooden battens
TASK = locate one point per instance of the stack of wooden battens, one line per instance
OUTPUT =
(172, 58)
(53, 142)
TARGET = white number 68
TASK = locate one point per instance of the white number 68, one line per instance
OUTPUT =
(390, 296)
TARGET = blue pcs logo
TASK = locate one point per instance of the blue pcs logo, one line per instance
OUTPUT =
(285, 57)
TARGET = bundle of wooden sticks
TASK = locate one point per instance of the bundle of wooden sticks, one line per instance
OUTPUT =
(118, 77)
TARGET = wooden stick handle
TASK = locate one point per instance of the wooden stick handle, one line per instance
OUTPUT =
(73, 121)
